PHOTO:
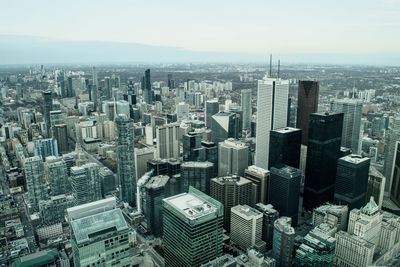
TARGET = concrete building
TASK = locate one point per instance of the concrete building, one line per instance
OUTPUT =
(246, 227)
(55, 170)
(167, 141)
(192, 225)
(245, 102)
(212, 108)
(53, 210)
(85, 183)
(283, 241)
(269, 216)
(260, 179)
(35, 182)
(233, 157)
(376, 186)
(142, 156)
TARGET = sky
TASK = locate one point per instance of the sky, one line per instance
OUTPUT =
(248, 26)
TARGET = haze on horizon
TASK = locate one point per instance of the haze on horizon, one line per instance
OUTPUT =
(257, 27)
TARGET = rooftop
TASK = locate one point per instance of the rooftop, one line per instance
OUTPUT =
(246, 211)
(157, 181)
(286, 130)
(355, 159)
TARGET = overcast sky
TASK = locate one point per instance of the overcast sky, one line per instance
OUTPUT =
(251, 26)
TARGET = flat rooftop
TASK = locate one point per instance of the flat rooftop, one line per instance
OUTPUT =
(286, 130)
(247, 211)
(355, 159)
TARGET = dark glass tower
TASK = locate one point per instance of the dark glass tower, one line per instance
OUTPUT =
(352, 181)
(47, 107)
(285, 147)
(324, 139)
(395, 188)
(284, 191)
(224, 125)
(307, 104)
(196, 174)
(147, 92)
(192, 149)
(212, 108)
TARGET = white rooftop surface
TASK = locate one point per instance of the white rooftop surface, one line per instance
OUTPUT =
(356, 159)
(191, 206)
(286, 130)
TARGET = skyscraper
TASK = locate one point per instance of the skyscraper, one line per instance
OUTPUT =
(284, 191)
(85, 183)
(231, 191)
(35, 183)
(323, 152)
(60, 133)
(392, 135)
(124, 138)
(56, 175)
(272, 103)
(376, 186)
(246, 227)
(269, 216)
(352, 110)
(307, 103)
(147, 92)
(286, 147)
(233, 157)
(351, 181)
(212, 108)
(283, 242)
(260, 179)
(47, 107)
(197, 175)
(245, 101)
(167, 141)
(192, 225)
(192, 148)
(395, 187)
(224, 125)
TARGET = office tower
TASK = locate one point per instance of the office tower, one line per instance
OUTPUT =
(285, 148)
(269, 216)
(85, 183)
(192, 148)
(170, 82)
(307, 103)
(233, 157)
(272, 101)
(60, 133)
(55, 170)
(376, 186)
(392, 135)
(107, 180)
(351, 181)
(333, 215)
(46, 147)
(167, 141)
(236, 109)
(245, 100)
(352, 110)
(323, 151)
(53, 210)
(100, 236)
(197, 175)
(395, 187)
(283, 241)
(35, 183)
(231, 191)
(260, 179)
(246, 227)
(126, 169)
(284, 191)
(224, 125)
(168, 167)
(142, 156)
(192, 225)
(47, 107)
(182, 110)
(317, 248)
(211, 154)
(146, 87)
(152, 194)
(212, 108)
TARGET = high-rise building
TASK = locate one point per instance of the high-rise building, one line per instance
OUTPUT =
(85, 183)
(192, 225)
(152, 194)
(35, 182)
(192, 148)
(146, 87)
(60, 133)
(100, 235)
(245, 101)
(197, 175)
(167, 141)
(352, 110)
(246, 227)
(231, 191)
(107, 180)
(392, 135)
(283, 242)
(212, 108)
(233, 157)
(142, 156)
(53, 210)
(307, 103)
(126, 172)
(46, 147)
(376, 186)
(284, 191)
(333, 215)
(211, 154)
(47, 107)
(323, 152)
(395, 187)
(224, 125)
(351, 181)
(286, 147)
(269, 216)
(57, 176)
(272, 103)
(260, 179)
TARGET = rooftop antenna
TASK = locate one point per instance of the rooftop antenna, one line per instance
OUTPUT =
(270, 65)
(279, 67)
